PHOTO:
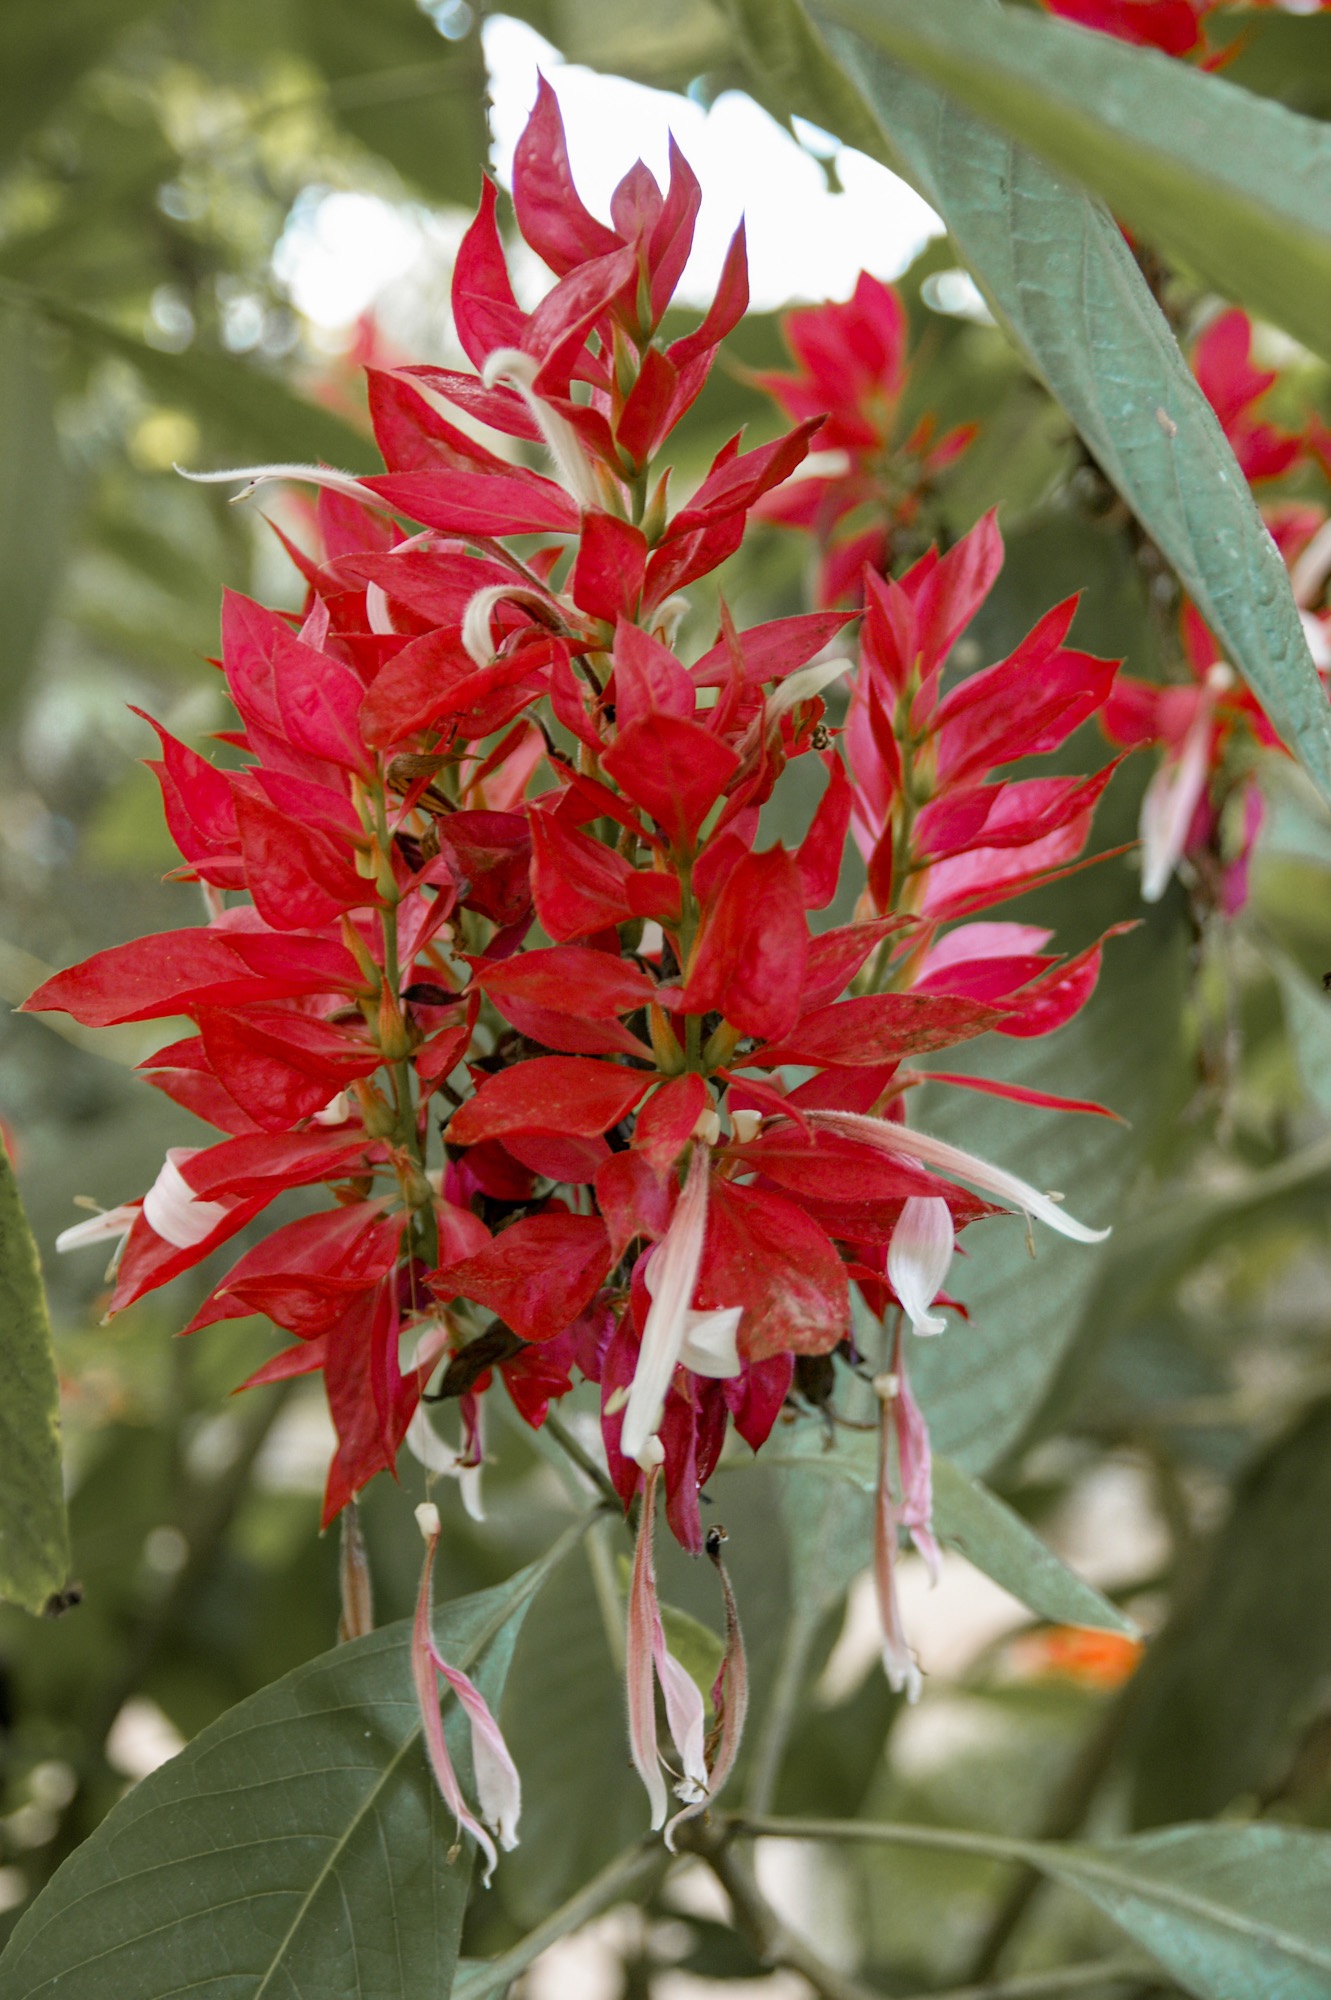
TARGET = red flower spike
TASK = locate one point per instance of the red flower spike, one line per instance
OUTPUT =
(411, 434)
(550, 211)
(579, 885)
(770, 652)
(649, 681)
(823, 848)
(634, 1200)
(300, 878)
(879, 1027)
(478, 503)
(569, 979)
(200, 811)
(610, 567)
(1173, 26)
(485, 312)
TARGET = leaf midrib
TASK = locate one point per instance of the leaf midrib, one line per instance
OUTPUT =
(1170, 1896)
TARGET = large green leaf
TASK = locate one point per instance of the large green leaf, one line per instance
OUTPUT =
(1063, 282)
(34, 1535)
(1237, 186)
(1238, 1675)
(1227, 1910)
(31, 502)
(985, 1530)
(44, 51)
(298, 1847)
(404, 91)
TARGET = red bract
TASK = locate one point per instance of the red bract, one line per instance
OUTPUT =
(873, 476)
(460, 736)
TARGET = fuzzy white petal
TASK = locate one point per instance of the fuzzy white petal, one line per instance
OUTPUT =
(918, 1258)
(1007, 1188)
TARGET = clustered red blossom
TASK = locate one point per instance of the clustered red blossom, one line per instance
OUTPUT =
(495, 956)
(1175, 27)
(1208, 726)
(869, 478)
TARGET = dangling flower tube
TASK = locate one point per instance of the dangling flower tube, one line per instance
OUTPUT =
(705, 1762)
(498, 1786)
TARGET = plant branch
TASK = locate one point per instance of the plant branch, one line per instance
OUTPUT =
(1066, 1813)
(584, 1461)
(1045, 1985)
(898, 1833)
(635, 1872)
(758, 1923)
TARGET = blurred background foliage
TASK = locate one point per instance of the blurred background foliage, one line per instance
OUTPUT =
(152, 155)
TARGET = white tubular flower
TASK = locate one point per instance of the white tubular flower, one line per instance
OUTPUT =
(477, 637)
(429, 1449)
(905, 1141)
(710, 1343)
(172, 1208)
(377, 613)
(518, 371)
(787, 695)
(256, 476)
(1169, 802)
(99, 1228)
(672, 1325)
(918, 1258)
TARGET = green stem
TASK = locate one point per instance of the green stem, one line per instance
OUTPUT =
(892, 1833)
(584, 1461)
(782, 1710)
(628, 1876)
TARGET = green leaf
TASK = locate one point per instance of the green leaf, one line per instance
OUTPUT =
(967, 1516)
(34, 1534)
(31, 502)
(985, 1530)
(297, 1847)
(404, 91)
(1227, 1910)
(45, 51)
(1063, 282)
(1237, 1676)
(1238, 187)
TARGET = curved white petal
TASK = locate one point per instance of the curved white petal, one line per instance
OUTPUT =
(710, 1343)
(110, 1222)
(256, 476)
(671, 1277)
(918, 1258)
(1007, 1188)
(519, 371)
(172, 1208)
(1168, 804)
